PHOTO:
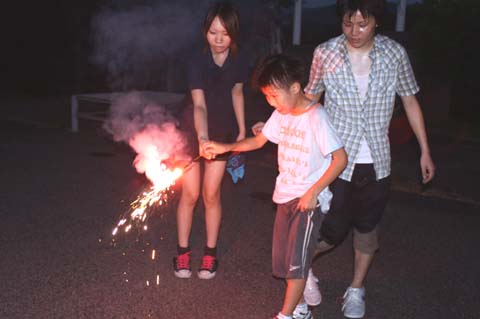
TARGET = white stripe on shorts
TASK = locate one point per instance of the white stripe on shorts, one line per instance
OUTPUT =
(306, 239)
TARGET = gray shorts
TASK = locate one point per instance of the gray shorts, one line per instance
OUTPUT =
(295, 236)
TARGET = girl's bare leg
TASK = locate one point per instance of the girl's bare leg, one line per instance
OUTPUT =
(214, 171)
(186, 205)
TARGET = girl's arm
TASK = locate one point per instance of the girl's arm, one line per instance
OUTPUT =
(308, 201)
(238, 102)
(200, 119)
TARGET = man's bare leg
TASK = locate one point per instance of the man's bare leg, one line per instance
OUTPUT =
(361, 267)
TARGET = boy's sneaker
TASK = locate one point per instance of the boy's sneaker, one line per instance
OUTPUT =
(181, 265)
(311, 293)
(302, 313)
(208, 268)
(354, 303)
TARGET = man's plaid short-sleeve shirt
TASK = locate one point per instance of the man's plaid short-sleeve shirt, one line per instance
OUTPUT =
(391, 73)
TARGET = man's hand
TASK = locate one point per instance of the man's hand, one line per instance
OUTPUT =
(428, 168)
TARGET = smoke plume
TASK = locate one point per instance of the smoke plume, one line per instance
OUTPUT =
(135, 43)
(147, 127)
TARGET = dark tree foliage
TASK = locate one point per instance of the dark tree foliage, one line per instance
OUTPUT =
(446, 34)
(447, 43)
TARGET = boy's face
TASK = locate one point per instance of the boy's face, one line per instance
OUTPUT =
(282, 99)
(359, 30)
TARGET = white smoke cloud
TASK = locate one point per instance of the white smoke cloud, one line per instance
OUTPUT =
(133, 43)
(147, 127)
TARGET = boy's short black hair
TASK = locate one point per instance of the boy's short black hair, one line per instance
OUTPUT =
(279, 70)
(375, 8)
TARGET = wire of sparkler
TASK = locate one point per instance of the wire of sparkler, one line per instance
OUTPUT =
(189, 165)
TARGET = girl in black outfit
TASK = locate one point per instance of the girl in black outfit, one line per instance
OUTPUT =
(216, 76)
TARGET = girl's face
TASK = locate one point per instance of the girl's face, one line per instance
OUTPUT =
(282, 99)
(217, 37)
(358, 30)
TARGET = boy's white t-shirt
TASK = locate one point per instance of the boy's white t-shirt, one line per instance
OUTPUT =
(305, 143)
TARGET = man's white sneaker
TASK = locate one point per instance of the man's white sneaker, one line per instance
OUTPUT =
(354, 303)
(311, 293)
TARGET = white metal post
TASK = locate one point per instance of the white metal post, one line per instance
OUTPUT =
(401, 11)
(297, 22)
(74, 113)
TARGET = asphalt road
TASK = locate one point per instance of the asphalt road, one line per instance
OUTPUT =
(62, 193)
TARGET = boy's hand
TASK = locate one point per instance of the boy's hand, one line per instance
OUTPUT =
(307, 202)
(215, 148)
(257, 128)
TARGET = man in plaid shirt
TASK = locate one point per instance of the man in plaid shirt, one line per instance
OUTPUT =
(360, 72)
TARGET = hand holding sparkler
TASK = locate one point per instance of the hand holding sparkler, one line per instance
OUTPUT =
(202, 148)
(189, 165)
(216, 148)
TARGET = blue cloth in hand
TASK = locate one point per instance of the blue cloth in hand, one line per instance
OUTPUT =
(236, 166)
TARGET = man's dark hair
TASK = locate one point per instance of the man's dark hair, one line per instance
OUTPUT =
(229, 16)
(279, 70)
(375, 8)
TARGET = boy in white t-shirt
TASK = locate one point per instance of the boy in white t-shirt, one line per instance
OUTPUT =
(310, 157)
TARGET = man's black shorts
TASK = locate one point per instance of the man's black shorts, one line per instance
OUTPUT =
(359, 203)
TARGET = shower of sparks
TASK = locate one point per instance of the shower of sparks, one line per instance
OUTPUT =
(163, 178)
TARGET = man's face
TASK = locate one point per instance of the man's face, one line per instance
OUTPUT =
(359, 30)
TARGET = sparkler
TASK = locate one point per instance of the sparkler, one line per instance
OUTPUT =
(152, 132)
(163, 177)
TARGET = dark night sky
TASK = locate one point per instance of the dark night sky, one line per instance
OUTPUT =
(47, 45)
(42, 41)
(50, 45)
